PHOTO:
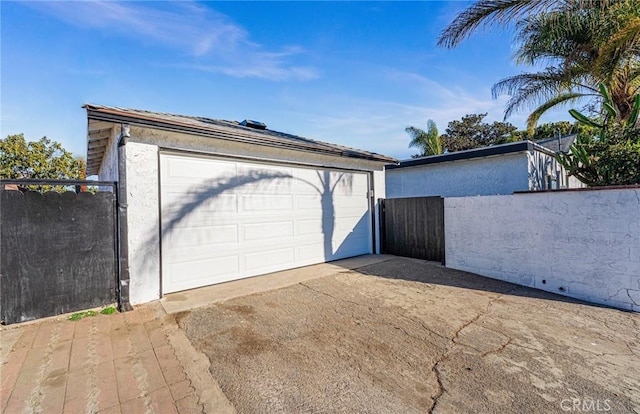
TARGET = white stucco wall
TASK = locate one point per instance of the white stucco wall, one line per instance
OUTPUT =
(500, 174)
(583, 244)
(142, 159)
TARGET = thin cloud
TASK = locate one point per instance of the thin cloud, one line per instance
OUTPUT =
(211, 40)
(378, 125)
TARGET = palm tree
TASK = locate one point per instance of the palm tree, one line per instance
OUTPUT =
(585, 43)
(429, 141)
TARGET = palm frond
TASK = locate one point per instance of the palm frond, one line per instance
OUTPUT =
(501, 13)
(534, 117)
(529, 89)
(487, 13)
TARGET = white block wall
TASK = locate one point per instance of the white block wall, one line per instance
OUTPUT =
(582, 244)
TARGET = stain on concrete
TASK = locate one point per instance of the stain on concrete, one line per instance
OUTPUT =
(409, 336)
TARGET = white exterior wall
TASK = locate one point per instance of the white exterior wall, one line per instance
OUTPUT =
(109, 167)
(543, 165)
(500, 174)
(583, 244)
(142, 160)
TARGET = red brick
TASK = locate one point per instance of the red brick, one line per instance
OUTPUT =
(11, 368)
(107, 384)
(83, 327)
(17, 400)
(76, 405)
(158, 401)
(155, 379)
(174, 375)
(44, 334)
(126, 381)
(66, 330)
(52, 400)
(4, 398)
(31, 368)
(146, 314)
(139, 339)
(116, 322)
(27, 337)
(162, 402)
(166, 357)
(81, 355)
(189, 405)
(181, 389)
(121, 343)
(156, 334)
(111, 410)
(103, 323)
(133, 317)
(77, 389)
(60, 358)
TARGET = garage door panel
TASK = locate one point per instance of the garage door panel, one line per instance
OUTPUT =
(203, 236)
(268, 259)
(202, 203)
(197, 271)
(264, 218)
(313, 252)
(265, 203)
(268, 230)
(309, 226)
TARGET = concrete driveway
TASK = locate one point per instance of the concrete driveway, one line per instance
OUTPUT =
(408, 336)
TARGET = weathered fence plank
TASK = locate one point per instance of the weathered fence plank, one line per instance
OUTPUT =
(414, 227)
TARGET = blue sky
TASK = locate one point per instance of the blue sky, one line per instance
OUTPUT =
(353, 73)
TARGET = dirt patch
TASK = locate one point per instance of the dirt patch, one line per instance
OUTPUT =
(409, 336)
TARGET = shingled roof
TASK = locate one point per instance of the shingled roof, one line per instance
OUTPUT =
(214, 128)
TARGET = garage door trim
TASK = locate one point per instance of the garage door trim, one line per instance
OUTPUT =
(265, 161)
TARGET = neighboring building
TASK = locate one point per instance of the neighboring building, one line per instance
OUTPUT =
(210, 201)
(498, 169)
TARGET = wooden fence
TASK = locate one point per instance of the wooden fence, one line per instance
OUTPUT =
(413, 227)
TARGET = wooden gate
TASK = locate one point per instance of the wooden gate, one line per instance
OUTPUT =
(413, 227)
(58, 252)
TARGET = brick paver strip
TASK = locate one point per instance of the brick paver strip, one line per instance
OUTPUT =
(134, 362)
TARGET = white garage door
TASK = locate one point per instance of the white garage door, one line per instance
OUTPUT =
(224, 219)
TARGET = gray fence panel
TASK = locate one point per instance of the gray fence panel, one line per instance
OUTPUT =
(58, 253)
(414, 227)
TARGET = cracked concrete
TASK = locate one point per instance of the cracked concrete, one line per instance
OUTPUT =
(410, 336)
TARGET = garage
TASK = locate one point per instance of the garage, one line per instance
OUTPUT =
(205, 201)
(248, 218)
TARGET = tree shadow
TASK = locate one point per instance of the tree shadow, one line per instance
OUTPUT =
(418, 270)
(173, 214)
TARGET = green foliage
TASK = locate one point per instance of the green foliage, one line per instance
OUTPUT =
(43, 159)
(471, 132)
(611, 159)
(429, 142)
(579, 43)
(79, 315)
(108, 310)
(612, 155)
